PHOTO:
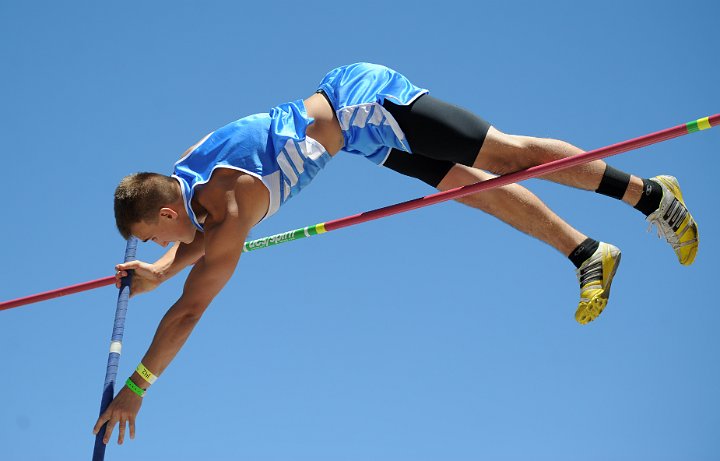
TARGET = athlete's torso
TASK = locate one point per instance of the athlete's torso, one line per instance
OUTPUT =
(272, 147)
(287, 147)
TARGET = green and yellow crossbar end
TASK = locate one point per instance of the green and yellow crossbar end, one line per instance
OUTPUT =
(698, 125)
(283, 237)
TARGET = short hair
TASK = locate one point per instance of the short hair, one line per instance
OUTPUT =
(138, 198)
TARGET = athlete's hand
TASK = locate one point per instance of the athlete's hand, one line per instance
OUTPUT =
(145, 278)
(123, 409)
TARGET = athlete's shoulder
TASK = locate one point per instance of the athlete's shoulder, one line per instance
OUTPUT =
(235, 192)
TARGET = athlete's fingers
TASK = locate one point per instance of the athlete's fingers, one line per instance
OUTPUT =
(132, 428)
(108, 430)
(119, 275)
(136, 264)
(121, 270)
(121, 435)
(100, 423)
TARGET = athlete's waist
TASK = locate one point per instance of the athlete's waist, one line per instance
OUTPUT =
(325, 128)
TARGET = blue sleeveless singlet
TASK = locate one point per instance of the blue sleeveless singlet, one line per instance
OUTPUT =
(274, 147)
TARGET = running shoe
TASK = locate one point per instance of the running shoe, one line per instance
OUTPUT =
(674, 222)
(595, 276)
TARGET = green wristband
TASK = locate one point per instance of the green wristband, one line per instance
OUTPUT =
(135, 388)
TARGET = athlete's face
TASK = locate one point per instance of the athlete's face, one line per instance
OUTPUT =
(170, 226)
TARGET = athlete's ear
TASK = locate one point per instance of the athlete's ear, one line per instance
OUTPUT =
(168, 213)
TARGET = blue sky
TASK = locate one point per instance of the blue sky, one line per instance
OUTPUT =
(433, 335)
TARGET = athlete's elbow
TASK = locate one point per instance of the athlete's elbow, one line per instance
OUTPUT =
(193, 314)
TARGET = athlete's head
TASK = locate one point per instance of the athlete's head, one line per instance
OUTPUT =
(150, 206)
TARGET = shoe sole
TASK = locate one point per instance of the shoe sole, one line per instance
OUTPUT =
(593, 308)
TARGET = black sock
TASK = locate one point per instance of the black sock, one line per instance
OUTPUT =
(586, 249)
(650, 198)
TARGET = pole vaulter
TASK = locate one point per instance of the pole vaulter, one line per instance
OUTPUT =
(521, 175)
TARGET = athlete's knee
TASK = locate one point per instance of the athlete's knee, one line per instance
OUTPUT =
(461, 175)
(504, 153)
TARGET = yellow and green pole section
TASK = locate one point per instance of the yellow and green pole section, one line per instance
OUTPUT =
(540, 170)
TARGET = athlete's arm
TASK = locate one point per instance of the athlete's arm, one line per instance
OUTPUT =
(180, 256)
(225, 234)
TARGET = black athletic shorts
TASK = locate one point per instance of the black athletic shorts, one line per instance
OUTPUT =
(439, 135)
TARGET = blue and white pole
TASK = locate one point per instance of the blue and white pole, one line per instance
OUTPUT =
(115, 348)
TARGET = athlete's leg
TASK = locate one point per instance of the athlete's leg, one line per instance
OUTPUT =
(658, 198)
(503, 153)
(516, 206)
(512, 204)
(444, 140)
(440, 130)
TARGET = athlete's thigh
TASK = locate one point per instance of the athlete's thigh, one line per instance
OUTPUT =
(504, 153)
(439, 130)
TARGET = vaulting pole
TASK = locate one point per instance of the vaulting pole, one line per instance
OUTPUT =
(115, 349)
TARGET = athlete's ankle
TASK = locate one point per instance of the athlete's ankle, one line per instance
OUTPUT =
(615, 184)
(650, 198)
(583, 252)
